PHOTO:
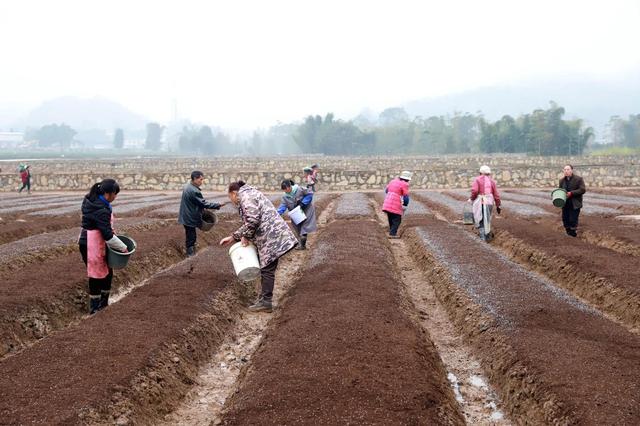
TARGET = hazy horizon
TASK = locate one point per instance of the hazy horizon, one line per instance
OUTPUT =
(253, 64)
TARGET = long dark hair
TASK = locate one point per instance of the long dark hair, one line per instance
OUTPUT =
(287, 183)
(106, 186)
(235, 186)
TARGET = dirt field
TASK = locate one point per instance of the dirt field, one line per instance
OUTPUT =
(435, 328)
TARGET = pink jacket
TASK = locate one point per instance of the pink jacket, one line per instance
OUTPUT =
(396, 189)
(484, 185)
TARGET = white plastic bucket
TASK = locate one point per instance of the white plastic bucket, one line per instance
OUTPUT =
(297, 215)
(245, 261)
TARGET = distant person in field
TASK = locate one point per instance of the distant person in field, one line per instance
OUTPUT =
(293, 197)
(308, 180)
(191, 207)
(25, 177)
(574, 185)
(396, 201)
(484, 195)
(314, 175)
(97, 233)
(263, 226)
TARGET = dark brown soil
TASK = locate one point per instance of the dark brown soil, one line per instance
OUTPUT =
(344, 351)
(133, 360)
(18, 227)
(554, 359)
(47, 295)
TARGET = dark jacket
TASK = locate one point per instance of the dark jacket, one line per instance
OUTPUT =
(575, 185)
(192, 205)
(96, 214)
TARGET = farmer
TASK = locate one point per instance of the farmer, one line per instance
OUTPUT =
(25, 177)
(97, 233)
(309, 179)
(267, 230)
(191, 208)
(484, 194)
(315, 168)
(574, 185)
(293, 197)
(396, 201)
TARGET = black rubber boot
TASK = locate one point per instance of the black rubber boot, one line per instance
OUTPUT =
(191, 251)
(303, 243)
(94, 304)
(104, 299)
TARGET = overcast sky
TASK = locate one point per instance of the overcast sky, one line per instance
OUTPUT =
(240, 64)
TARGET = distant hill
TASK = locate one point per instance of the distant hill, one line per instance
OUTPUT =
(593, 101)
(84, 114)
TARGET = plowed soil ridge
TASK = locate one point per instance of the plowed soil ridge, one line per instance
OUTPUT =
(217, 380)
(597, 274)
(131, 362)
(47, 296)
(553, 358)
(44, 246)
(344, 351)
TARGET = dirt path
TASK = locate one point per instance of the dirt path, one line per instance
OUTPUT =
(479, 403)
(344, 351)
(218, 379)
(553, 358)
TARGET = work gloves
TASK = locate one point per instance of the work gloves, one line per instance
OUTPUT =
(569, 195)
(498, 209)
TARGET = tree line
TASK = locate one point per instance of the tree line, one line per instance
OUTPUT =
(540, 132)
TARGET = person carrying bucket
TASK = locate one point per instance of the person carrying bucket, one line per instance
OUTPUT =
(309, 179)
(484, 194)
(97, 233)
(25, 177)
(295, 196)
(192, 205)
(575, 187)
(263, 226)
(396, 201)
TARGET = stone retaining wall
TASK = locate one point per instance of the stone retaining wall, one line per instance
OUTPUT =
(337, 173)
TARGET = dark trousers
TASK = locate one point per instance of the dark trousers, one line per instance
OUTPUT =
(394, 222)
(268, 280)
(190, 233)
(27, 185)
(97, 286)
(570, 219)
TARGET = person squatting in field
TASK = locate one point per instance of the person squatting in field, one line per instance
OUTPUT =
(396, 201)
(97, 233)
(484, 195)
(192, 205)
(293, 197)
(263, 226)
(575, 187)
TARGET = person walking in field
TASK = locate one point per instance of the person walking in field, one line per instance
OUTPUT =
(396, 201)
(484, 195)
(25, 177)
(97, 233)
(263, 226)
(293, 197)
(192, 205)
(575, 187)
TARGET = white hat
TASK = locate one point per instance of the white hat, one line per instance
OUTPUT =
(406, 175)
(485, 170)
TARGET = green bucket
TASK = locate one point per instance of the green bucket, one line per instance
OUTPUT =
(118, 260)
(559, 197)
